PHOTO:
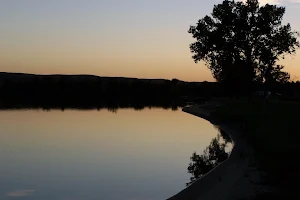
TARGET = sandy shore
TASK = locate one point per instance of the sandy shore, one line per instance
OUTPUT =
(235, 178)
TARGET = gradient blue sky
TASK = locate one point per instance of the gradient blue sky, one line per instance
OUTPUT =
(133, 38)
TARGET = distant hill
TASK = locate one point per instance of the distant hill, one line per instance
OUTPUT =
(32, 89)
(23, 77)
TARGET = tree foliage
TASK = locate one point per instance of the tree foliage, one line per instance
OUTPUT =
(242, 41)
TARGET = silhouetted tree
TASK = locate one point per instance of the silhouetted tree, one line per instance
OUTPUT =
(277, 75)
(241, 42)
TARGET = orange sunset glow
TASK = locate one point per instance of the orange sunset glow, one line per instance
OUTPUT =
(143, 39)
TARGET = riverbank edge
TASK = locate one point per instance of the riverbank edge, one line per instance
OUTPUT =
(237, 177)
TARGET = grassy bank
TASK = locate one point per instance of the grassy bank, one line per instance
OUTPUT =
(272, 128)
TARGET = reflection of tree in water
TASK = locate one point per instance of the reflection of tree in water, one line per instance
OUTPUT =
(113, 110)
(212, 156)
(227, 139)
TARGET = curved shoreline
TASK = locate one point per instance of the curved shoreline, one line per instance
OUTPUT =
(235, 178)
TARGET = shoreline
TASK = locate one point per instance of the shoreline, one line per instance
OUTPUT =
(236, 177)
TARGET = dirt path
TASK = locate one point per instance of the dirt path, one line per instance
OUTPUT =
(235, 178)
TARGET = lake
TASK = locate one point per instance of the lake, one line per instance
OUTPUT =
(98, 154)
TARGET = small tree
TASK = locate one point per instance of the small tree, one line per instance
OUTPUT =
(241, 42)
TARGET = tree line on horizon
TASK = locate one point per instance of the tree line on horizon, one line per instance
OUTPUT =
(91, 91)
(64, 91)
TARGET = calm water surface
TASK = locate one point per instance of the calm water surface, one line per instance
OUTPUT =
(98, 155)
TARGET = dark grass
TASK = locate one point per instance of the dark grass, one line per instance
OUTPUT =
(272, 128)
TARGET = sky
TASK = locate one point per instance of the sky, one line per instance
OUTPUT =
(132, 38)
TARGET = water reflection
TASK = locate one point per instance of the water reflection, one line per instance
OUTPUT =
(20, 193)
(165, 104)
(91, 155)
(214, 154)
